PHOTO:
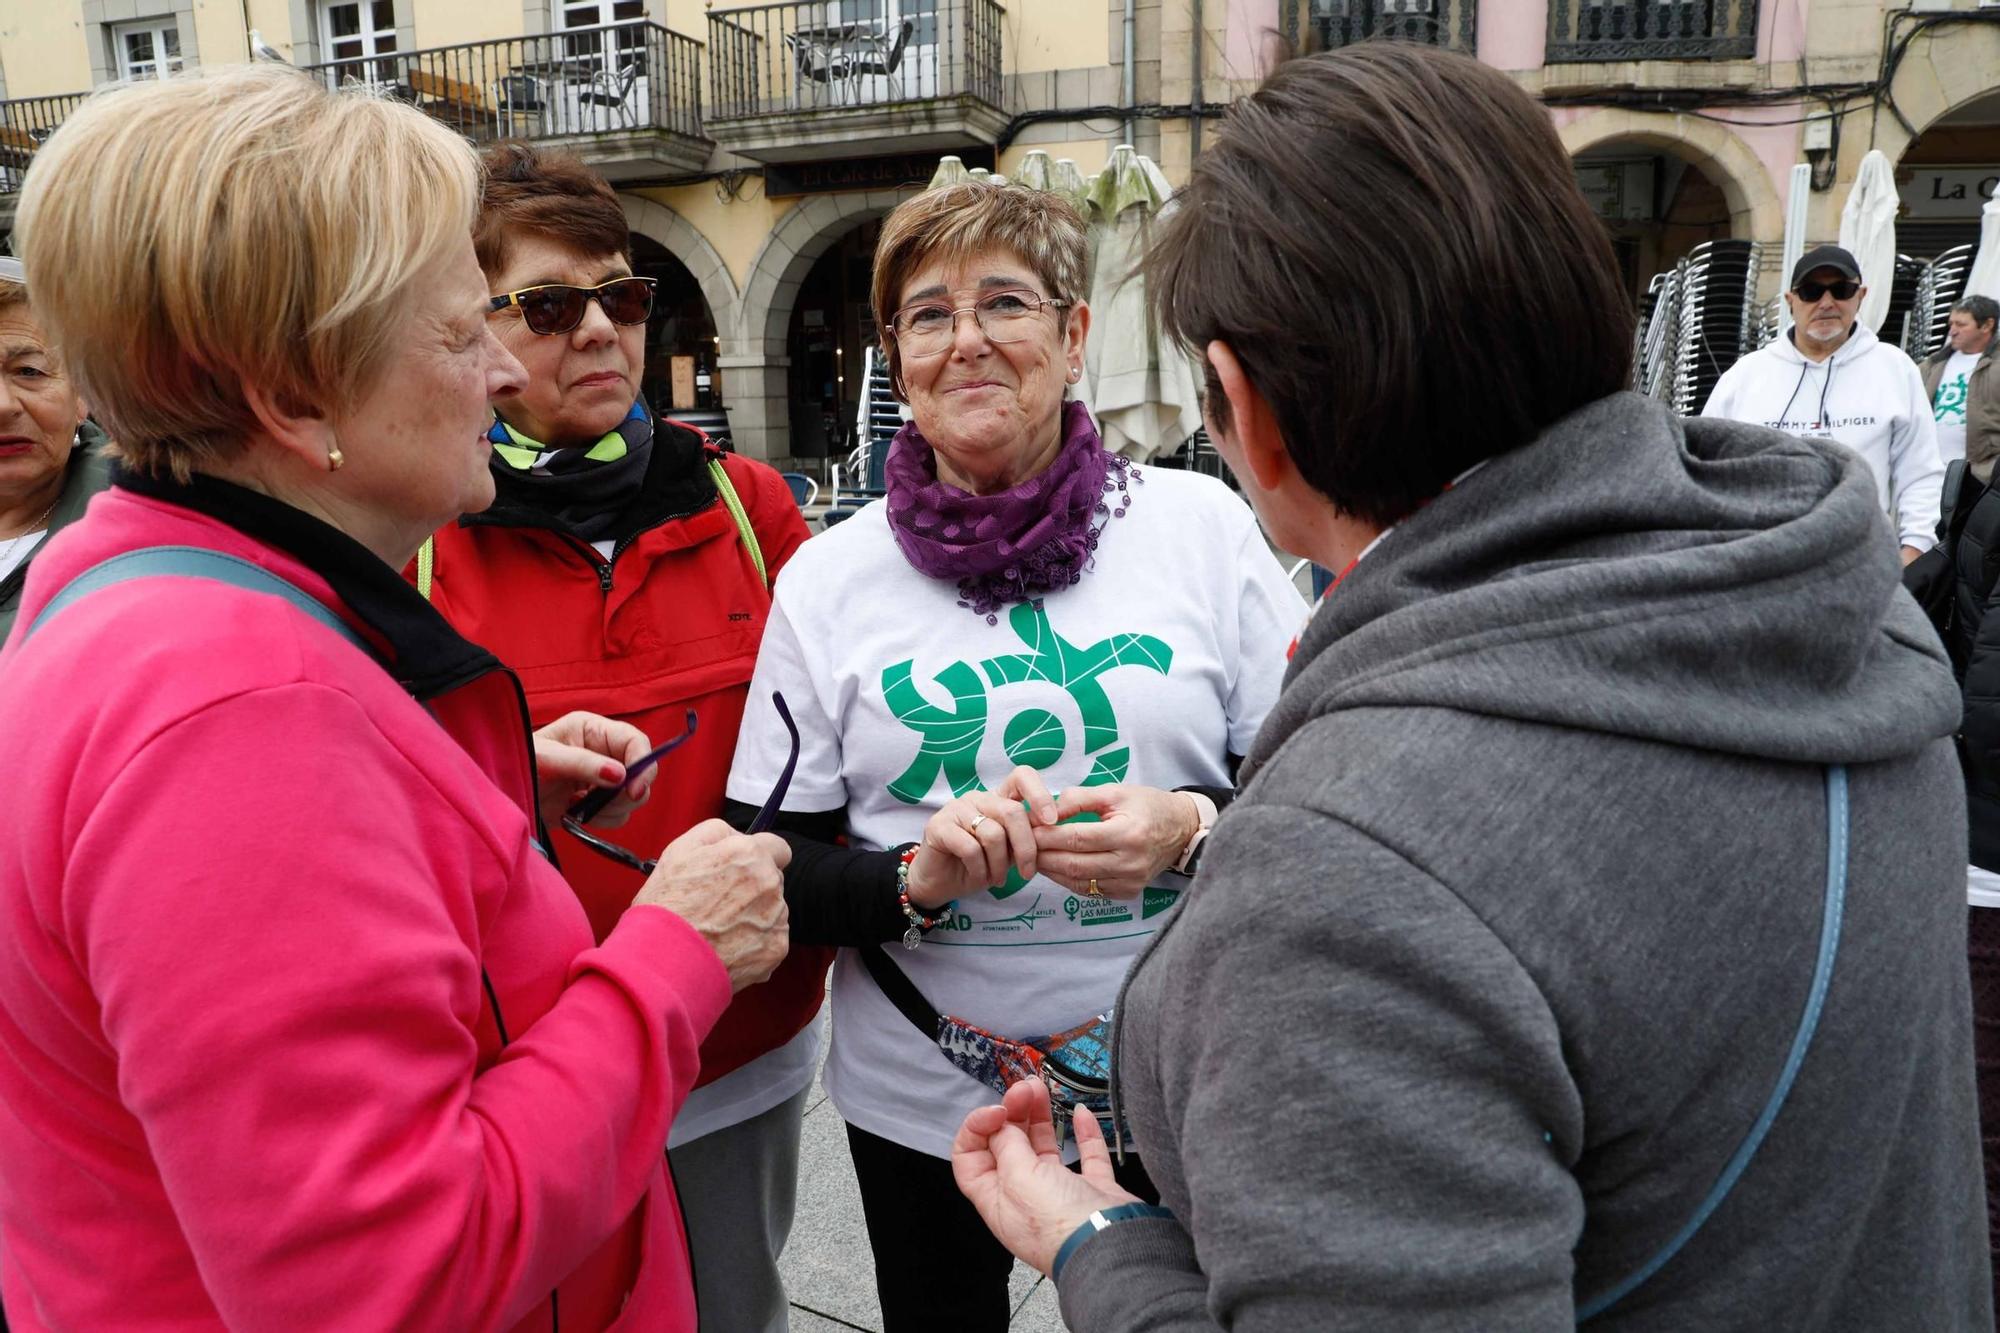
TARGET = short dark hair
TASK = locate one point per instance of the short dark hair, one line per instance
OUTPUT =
(1983, 309)
(534, 192)
(1392, 239)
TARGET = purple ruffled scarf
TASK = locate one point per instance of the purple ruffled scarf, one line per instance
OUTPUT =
(1017, 544)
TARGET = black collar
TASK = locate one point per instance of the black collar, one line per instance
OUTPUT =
(428, 656)
(676, 484)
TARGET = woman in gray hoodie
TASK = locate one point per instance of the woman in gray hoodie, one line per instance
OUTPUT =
(1585, 941)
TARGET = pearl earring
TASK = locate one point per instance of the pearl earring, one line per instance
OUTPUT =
(334, 459)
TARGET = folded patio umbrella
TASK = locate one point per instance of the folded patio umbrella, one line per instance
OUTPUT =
(1984, 279)
(1868, 232)
(1144, 391)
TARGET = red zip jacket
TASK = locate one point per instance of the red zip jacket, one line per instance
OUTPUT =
(671, 622)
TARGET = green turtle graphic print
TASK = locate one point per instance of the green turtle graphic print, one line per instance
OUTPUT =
(1153, 669)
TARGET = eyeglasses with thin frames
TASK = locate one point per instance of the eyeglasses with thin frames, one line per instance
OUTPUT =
(927, 327)
(594, 804)
(554, 308)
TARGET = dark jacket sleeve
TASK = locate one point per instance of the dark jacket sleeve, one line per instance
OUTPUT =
(836, 895)
(1368, 1121)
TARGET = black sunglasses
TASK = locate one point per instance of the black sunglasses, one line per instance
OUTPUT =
(555, 308)
(593, 805)
(1842, 290)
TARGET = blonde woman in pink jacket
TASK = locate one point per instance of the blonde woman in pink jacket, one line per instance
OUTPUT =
(299, 1027)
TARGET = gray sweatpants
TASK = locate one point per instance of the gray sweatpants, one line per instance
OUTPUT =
(737, 1188)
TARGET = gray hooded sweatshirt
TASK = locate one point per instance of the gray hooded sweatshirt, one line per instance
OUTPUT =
(1500, 951)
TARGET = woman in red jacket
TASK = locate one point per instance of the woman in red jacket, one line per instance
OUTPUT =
(624, 569)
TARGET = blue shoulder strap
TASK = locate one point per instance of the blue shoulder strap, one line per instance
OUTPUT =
(191, 562)
(1829, 943)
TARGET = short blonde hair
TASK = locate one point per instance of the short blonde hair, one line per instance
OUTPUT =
(957, 222)
(244, 225)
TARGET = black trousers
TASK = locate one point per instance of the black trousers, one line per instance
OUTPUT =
(936, 1265)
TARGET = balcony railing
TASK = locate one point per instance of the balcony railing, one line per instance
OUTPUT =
(787, 58)
(619, 78)
(25, 125)
(1652, 30)
(1323, 25)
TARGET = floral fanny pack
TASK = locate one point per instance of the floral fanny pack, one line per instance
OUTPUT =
(1075, 1064)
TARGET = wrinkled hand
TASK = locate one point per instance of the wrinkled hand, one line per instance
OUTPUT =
(1006, 1162)
(581, 751)
(955, 858)
(1139, 833)
(730, 887)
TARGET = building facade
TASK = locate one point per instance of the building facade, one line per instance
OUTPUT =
(757, 146)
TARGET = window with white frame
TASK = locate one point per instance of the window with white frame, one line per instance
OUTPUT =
(351, 29)
(148, 49)
(601, 13)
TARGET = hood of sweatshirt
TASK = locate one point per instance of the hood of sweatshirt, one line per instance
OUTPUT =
(1700, 583)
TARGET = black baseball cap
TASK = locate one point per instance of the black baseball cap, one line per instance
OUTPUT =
(1825, 256)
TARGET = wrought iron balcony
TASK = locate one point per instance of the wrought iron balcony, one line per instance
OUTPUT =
(797, 81)
(626, 97)
(1323, 25)
(25, 125)
(1652, 30)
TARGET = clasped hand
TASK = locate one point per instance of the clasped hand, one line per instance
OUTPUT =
(972, 842)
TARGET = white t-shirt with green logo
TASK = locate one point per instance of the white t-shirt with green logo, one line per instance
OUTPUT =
(1161, 661)
(1949, 404)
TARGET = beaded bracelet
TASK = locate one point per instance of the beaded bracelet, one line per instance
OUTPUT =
(913, 935)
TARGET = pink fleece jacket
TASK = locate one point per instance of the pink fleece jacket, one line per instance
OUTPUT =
(250, 1073)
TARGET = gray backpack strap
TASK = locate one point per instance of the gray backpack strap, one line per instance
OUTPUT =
(1832, 909)
(195, 562)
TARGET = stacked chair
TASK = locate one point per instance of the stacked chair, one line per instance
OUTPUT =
(1695, 321)
(1937, 287)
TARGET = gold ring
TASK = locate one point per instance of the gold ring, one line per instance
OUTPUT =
(1093, 891)
(973, 827)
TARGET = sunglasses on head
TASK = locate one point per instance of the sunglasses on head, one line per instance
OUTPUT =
(1843, 290)
(556, 308)
(593, 805)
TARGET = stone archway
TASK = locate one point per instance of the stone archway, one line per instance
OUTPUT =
(1755, 211)
(1943, 70)
(658, 223)
(754, 354)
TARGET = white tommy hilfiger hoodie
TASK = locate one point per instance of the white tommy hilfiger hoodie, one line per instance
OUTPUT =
(1868, 396)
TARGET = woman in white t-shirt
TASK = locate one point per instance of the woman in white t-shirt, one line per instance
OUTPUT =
(1019, 682)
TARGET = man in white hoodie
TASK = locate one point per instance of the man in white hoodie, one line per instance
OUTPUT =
(1832, 377)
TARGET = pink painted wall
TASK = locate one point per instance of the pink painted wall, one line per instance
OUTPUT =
(1513, 32)
(1243, 43)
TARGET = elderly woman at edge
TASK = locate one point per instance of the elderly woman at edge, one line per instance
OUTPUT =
(1022, 613)
(298, 1025)
(51, 456)
(1608, 821)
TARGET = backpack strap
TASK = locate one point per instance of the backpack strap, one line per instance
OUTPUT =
(197, 562)
(427, 553)
(1829, 944)
(727, 490)
(899, 990)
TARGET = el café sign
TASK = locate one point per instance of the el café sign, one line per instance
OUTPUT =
(1948, 192)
